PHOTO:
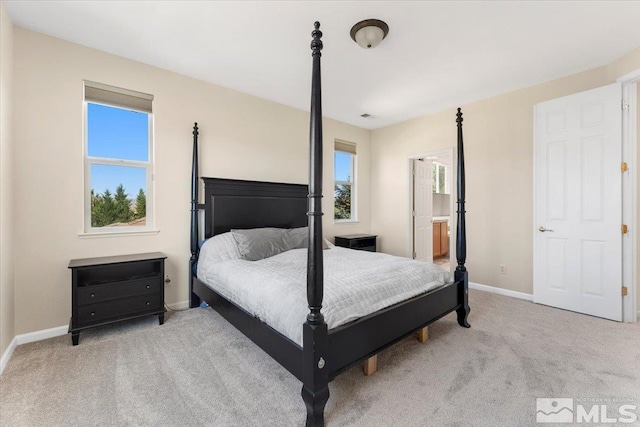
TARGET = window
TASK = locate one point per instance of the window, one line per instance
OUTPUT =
(118, 159)
(344, 162)
(440, 182)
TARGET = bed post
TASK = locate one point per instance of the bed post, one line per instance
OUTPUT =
(461, 273)
(194, 300)
(315, 389)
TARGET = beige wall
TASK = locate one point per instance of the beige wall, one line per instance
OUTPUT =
(241, 137)
(499, 165)
(7, 330)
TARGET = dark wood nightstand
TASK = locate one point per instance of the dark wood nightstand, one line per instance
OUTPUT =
(111, 289)
(361, 242)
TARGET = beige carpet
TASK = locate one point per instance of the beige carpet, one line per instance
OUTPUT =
(198, 370)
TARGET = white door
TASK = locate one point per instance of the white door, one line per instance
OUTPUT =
(577, 261)
(422, 210)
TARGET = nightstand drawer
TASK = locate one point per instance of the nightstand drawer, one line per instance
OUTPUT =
(99, 293)
(95, 313)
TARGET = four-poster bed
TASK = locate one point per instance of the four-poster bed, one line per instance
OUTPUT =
(324, 353)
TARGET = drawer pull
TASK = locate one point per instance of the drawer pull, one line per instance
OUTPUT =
(93, 313)
(92, 295)
(148, 303)
(148, 286)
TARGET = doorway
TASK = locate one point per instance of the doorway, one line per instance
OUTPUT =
(431, 207)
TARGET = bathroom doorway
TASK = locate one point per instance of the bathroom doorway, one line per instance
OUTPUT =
(432, 201)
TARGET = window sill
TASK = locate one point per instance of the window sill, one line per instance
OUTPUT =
(345, 221)
(99, 235)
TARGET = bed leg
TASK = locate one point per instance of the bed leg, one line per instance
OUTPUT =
(315, 385)
(423, 334)
(194, 300)
(315, 403)
(371, 365)
(463, 310)
(463, 313)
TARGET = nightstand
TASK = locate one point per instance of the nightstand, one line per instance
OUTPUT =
(111, 289)
(361, 242)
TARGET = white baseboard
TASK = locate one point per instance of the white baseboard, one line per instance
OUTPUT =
(500, 291)
(42, 335)
(180, 305)
(7, 354)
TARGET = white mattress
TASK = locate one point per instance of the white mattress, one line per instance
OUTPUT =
(356, 283)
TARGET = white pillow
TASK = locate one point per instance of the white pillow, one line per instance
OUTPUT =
(221, 247)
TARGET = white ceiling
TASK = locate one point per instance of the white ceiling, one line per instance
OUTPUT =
(438, 55)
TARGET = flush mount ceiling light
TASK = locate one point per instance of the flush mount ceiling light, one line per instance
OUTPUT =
(369, 33)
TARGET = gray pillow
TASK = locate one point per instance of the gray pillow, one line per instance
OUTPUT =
(259, 243)
(298, 237)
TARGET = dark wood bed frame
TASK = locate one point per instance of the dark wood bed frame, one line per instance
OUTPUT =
(325, 353)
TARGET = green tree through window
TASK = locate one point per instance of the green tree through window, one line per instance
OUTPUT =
(108, 210)
(342, 201)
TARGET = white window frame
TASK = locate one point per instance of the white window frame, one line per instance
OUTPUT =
(447, 171)
(352, 183)
(91, 160)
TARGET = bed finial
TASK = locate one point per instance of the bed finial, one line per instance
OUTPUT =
(316, 43)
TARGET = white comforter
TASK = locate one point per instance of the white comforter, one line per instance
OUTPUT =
(356, 284)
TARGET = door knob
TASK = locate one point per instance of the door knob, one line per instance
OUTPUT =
(542, 229)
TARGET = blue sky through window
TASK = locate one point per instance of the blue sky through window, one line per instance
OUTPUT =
(342, 165)
(116, 133)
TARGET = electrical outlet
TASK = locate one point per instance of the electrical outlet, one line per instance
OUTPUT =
(167, 280)
(503, 269)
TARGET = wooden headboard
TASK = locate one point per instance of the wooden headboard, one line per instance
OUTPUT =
(237, 204)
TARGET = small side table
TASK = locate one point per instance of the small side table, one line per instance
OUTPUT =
(361, 242)
(111, 289)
